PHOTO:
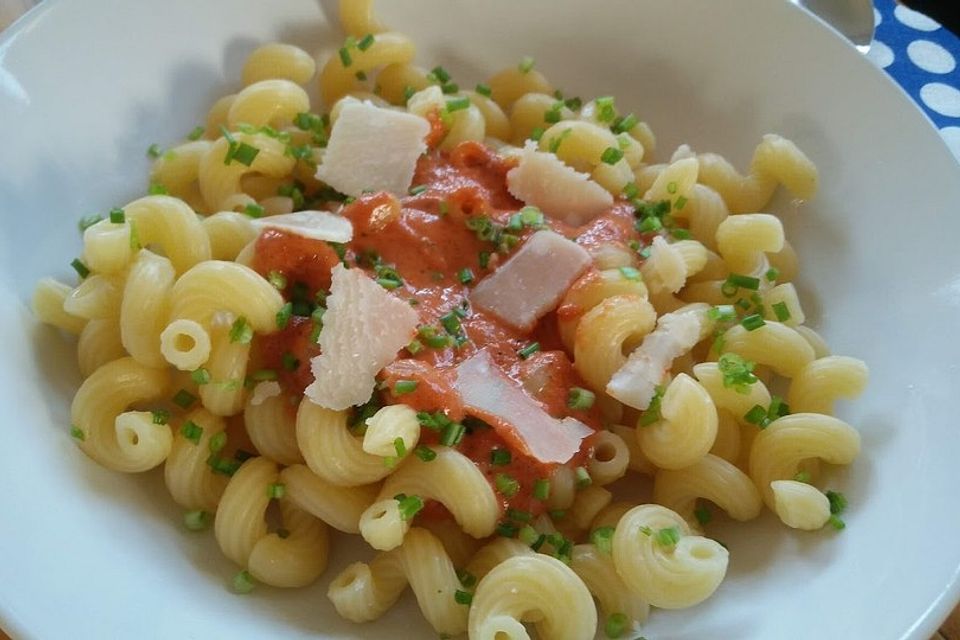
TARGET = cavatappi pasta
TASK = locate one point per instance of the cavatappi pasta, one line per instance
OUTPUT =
(199, 319)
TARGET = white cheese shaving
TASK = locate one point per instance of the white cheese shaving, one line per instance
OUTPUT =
(316, 225)
(363, 329)
(561, 192)
(373, 149)
(635, 383)
(486, 391)
(531, 283)
(264, 391)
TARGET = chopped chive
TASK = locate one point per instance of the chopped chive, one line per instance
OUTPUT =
(365, 42)
(737, 372)
(484, 259)
(758, 416)
(440, 74)
(458, 104)
(556, 142)
(432, 339)
(463, 597)
(838, 502)
(602, 539)
(526, 64)
(465, 276)
(409, 506)
(184, 398)
(425, 453)
(722, 313)
(401, 387)
(652, 414)
(753, 322)
(631, 190)
(243, 582)
(667, 537)
(541, 489)
(197, 520)
(630, 273)
(262, 375)
(780, 310)
(804, 477)
(276, 490)
(244, 153)
(450, 87)
(506, 529)
(837, 523)
(417, 190)
(557, 514)
(582, 477)
(160, 416)
(483, 90)
(452, 434)
(282, 317)
(200, 376)
(217, 442)
(154, 151)
(289, 361)
(518, 515)
(649, 225)
(680, 233)
(703, 515)
(553, 114)
(77, 433)
(529, 350)
(117, 216)
(536, 134)
(450, 322)
(671, 187)
(616, 625)
(500, 457)
(772, 274)
(345, 58)
(529, 536)
(506, 485)
(739, 281)
(680, 203)
(611, 155)
(415, 347)
(466, 578)
(278, 280)
(241, 331)
(580, 399)
(399, 446)
(82, 270)
(196, 134)
(624, 123)
(253, 210)
(606, 111)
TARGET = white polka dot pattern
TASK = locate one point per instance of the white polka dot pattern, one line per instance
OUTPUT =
(931, 57)
(942, 98)
(951, 135)
(880, 54)
(915, 19)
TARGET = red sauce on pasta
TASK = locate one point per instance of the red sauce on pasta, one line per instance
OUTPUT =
(433, 242)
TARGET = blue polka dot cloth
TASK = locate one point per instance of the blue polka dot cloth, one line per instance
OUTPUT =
(924, 58)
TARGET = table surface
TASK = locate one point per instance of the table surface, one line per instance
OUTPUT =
(917, 52)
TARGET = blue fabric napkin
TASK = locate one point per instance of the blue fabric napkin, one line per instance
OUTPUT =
(924, 58)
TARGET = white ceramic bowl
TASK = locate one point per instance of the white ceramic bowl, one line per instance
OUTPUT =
(86, 85)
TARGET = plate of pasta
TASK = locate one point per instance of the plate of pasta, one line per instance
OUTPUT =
(577, 322)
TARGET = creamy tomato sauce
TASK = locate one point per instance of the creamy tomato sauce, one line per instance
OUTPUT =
(432, 242)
